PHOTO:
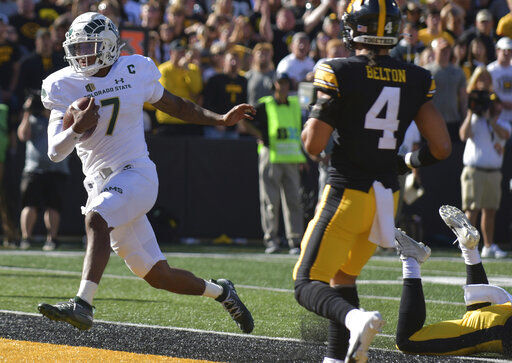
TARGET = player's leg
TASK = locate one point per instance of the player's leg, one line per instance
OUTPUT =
(136, 243)
(293, 211)
(412, 312)
(325, 247)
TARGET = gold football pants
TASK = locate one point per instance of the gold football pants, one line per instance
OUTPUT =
(337, 237)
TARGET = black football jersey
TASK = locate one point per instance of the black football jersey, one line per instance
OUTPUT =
(370, 110)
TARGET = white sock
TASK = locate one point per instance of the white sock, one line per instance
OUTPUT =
(411, 268)
(471, 257)
(353, 319)
(87, 290)
(212, 290)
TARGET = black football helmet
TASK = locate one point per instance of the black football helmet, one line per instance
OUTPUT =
(372, 22)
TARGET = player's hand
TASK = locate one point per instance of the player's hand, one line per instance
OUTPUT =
(237, 113)
(86, 119)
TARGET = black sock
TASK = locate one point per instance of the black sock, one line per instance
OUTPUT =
(339, 335)
(412, 313)
(320, 298)
(475, 274)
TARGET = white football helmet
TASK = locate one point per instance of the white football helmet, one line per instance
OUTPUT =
(92, 35)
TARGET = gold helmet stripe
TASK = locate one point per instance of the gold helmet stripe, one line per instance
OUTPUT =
(349, 7)
(382, 18)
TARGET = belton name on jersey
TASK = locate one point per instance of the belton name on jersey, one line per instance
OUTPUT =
(119, 135)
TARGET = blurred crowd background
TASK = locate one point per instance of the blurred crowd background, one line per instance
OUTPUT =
(220, 53)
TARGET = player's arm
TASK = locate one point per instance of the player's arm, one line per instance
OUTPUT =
(193, 113)
(316, 133)
(62, 142)
(433, 128)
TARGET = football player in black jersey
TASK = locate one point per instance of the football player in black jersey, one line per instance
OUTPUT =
(366, 102)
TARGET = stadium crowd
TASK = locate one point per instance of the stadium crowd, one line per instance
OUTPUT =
(220, 53)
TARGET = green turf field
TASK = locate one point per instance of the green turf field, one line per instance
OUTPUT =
(263, 282)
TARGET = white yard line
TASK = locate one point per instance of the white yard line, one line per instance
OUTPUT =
(252, 287)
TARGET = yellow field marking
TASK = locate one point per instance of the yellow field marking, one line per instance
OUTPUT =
(17, 351)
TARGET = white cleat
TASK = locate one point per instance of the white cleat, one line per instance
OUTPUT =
(361, 339)
(408, 247)
(467, 235)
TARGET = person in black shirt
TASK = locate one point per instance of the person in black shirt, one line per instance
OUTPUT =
(27, 22)
(223, 91)
(366, 102)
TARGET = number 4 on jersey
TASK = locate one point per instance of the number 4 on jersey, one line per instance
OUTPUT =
(390, 97)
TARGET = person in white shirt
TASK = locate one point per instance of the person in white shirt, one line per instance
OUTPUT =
(120, 179)
(485, 135)
(501, 72)
(297, 64)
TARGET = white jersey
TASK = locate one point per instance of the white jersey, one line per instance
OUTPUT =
(119, 136)
(502, 85)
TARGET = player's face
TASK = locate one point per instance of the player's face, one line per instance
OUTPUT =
(86, 52)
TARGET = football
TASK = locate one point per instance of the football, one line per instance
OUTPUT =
(68, 120)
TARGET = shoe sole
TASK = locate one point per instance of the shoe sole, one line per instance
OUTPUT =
(352, 357)
(451, 215)
(54, 314)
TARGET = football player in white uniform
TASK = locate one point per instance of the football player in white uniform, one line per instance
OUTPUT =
(120, 179)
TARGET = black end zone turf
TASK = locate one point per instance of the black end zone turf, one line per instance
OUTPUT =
(182, 344)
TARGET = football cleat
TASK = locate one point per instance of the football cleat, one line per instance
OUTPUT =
(360, 340)
(467, 235)
(234, 306)
(408, 247)
(75, 312)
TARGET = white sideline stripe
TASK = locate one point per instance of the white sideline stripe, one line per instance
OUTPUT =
(250, 256)
(242, 335)
(252, 287)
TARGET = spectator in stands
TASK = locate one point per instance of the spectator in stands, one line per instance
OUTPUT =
(151, 15)
(433, 29)
(49, 10)
(183, 79)
(460, 54)
(318, 46)
(501, 72)
(261, 75)
(223, 91)
(485, 135)
(26, 22)
(482, 29)
(166, 33)
(450, 98)
(243, 33)
(58, 31)
(409, 47)
(278, 125)
(43, 182)
(452, 19)
(297, 64)
(477, 55)
(281, 33)
(38, 65)
(176, 17)
(215, 61)
(413, 14)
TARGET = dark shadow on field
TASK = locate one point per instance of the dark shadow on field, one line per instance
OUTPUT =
(185, 344)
